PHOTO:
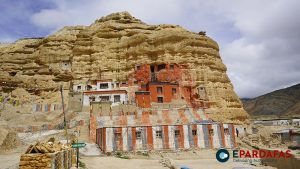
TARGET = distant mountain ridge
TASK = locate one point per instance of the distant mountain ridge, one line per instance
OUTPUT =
(281, 103)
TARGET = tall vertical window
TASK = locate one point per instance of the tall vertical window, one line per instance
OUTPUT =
(159, 90)
(174, 91)
(194, 132)
(177, 133)
(172, 67)
(138, 67)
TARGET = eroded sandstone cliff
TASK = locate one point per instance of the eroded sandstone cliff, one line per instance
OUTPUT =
(111, 48)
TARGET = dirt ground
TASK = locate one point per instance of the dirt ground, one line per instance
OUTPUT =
(192, 159)
(10, 160)
(117, 163)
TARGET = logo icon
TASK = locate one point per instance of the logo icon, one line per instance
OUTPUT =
(222, 155)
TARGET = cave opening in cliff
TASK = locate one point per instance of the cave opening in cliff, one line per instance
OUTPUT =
(12, 73)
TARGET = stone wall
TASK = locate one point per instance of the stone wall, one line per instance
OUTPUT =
(57, 160)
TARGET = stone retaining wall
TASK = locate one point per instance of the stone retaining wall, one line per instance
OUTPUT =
(57, 160)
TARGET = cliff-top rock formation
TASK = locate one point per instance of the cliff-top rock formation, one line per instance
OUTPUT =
(111, 47)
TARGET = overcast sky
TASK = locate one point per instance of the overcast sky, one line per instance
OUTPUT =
(259, 39)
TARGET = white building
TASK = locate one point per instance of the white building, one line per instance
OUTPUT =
(79, 87)
(114, 96)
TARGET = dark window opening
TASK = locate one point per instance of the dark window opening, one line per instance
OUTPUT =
(117, 136)
(160, 99)
(211, 132)
(117, 98)
(138, 135)
(104, 98)
(124, 83)
(158, 134)
(117, 84)
(135, 82)
(104, 86)
(172, 67)
(92, 98)
(159, 90)
(194, 132)
(177, 133)
(138, 67)
(226, 131)
(152, 68)
(78, 87)
(89, 87)
(160, 67)
(173, 91)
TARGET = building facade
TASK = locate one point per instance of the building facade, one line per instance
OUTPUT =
(165, 137)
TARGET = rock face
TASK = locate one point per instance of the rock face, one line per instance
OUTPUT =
(110, 48)
(283, 102)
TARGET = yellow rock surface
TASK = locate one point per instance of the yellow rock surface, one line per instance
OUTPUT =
(110, 48)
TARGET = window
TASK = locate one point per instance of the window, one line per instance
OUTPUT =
(160, 99)
(159, 90)
(152, 68)
(117, 84)
(135, 82)
(173, 91)
(104, 98)
(211, 132)
(117, 136)
(160, 67)
(104, 86)
(172, 67)
(89, 87)
(158, 134)
(92, 98)
(138, 135)
(138, 67)
(194, 132)
(117, 98)
(226, 131)
(177, 133)
(78, 87)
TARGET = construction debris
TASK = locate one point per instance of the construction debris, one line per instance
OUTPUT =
(49, 147)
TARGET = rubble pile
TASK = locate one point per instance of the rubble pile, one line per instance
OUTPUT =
(49, 147)
(46, 155)
(263, 137)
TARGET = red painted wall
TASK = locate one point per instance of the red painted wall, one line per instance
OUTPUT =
(143, 100)
(166, 92)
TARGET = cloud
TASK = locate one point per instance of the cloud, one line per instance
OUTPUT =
(259, 39)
